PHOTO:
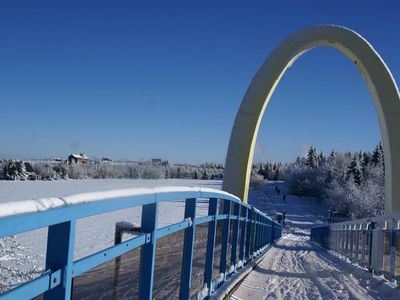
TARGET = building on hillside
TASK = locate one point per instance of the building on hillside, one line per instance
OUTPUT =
(156, 161)
(78, 159)
(106, 161)
(59, 160)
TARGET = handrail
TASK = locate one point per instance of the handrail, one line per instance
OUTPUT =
(370, 242)
(60, 216)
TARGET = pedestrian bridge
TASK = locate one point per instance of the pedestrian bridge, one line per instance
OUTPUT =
(233, 235)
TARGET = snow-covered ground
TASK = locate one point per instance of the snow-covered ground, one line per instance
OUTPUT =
(296, 268)
(22, 256)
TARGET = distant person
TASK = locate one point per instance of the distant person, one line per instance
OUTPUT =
(284, 197)
(279, 191)
(276, 189)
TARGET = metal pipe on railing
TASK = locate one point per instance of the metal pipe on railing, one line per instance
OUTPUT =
(121, 228)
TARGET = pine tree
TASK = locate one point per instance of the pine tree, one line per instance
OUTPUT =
(355, 170)
(260, 170)
(276, 175)
(267, 171)
(321, 157)
(312, 158)
(204, 176)
(377, 155)
(365, 159)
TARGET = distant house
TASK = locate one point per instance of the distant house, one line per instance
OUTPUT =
(59, 160)
(78, 159)
(106, 161)
(156, 161)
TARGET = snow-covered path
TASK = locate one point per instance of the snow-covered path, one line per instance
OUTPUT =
(296, 268)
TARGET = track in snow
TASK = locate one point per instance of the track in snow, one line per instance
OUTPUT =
(296, 268)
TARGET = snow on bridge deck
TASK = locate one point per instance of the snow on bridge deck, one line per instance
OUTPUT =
(296, 268)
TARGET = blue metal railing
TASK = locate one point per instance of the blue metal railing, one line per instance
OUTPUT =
(373, 243)
(257, 229)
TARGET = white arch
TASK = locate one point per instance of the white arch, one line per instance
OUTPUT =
(376, 74)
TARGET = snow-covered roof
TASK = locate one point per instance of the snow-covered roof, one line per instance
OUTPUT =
(81, 156)
(30, 206)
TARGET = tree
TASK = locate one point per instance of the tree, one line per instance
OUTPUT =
(312, 158)
(204, 176)
(321, 158)
(355, 170)
(267, 171)
(377, 154)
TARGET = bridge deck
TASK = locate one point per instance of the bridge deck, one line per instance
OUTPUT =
(296, 268)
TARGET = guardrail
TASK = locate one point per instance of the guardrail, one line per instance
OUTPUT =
(373, 243)
(251, 232)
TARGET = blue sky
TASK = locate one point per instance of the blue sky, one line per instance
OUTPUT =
(134, 80)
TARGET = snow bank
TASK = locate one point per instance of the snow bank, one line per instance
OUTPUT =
(30, 206)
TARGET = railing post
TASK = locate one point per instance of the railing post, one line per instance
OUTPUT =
(248, 233)
(253, 231)
(225, 236)
(60, 255)
(235, 235)
(148, 225)
(212, 226)
(363, 243)
(372, 227)
(255, 234)
(264, 232)
(258, 233)
(393, 250)
(243, 234)
(272, 232)
(351, 250)
(186, 275)
(357, 245)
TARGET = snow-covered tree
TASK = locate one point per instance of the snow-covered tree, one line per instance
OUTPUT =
(312, 158)
(355, 170)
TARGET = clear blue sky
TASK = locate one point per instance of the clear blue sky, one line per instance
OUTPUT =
(135, 80)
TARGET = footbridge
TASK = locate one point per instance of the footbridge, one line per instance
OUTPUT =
(223, 244)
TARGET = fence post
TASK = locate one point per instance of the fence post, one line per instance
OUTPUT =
(60, 255)
(243, 234)
(212, 226)
(248, 233)
(363, 243)
(264, 231)
(148, 225)
(225, 237)
(186, 275)
(393, 249)
(256, 232)
(371, 228)
(272, 232)
(235, 234)
(351, 231)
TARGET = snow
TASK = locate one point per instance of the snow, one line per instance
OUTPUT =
(296, 268)
(19, 191)
(30, 206)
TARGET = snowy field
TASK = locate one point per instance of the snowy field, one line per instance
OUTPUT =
(22, 256)
(296, 268)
